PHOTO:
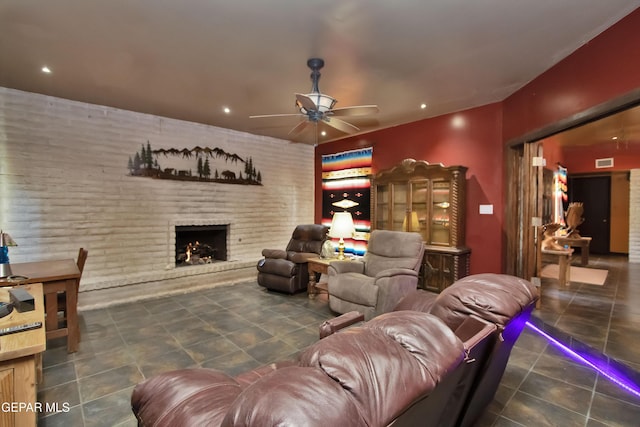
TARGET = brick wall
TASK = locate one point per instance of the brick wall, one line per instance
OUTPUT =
(634, 217)
(64, 184)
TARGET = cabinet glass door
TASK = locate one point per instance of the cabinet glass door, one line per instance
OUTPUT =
(399, 211)
(382, 207)
(441, 200)
(417, 217)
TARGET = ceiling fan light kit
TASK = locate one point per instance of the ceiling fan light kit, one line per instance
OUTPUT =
(321, 103)
(318, 107)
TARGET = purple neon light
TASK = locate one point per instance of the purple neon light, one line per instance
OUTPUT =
(609, 372)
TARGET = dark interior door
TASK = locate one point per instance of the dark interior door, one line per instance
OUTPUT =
(595, 193)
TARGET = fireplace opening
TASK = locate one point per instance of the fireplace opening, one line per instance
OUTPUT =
(200, 244)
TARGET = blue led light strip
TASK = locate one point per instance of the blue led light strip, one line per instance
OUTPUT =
(610, 373)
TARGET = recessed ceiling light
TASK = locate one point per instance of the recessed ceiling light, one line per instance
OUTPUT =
(226, 110)
(614, 138)
(423, 106)
(323, 133)
(46, 69)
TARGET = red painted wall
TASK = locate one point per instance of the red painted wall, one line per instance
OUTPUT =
(605, 68)
(475, 143)
(552, 153)
(580, 160)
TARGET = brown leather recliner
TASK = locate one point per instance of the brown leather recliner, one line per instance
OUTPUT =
(503, 300)
(403, 368)
(398, 368)
(286, 270)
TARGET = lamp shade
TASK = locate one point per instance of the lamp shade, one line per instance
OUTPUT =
(323, 102)
(342, 225)
(6, 240)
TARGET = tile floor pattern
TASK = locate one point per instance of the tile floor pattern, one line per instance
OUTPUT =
(236, 328)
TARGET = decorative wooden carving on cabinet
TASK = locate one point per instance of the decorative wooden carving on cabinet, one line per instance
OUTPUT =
(429, 199)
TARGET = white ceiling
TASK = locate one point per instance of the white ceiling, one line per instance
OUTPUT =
(187, 59)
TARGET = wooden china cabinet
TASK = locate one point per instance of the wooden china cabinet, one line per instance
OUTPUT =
(429, 199)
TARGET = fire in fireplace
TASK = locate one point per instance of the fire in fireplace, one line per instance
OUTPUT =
(201, 244)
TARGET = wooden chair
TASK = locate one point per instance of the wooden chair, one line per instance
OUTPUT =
(62, 307)
(62, 302)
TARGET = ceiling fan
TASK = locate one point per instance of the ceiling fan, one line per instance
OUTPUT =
(317, 107)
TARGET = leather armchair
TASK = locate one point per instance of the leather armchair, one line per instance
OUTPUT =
(388, 272)
(500, 300)
(503, 300)
(286, 270)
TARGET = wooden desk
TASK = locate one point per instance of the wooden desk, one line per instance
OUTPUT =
(19, 360)
(55, 276)
(317, 265)
(577, 242)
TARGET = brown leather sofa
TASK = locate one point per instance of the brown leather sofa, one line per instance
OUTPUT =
(435, 362)
(286, 270)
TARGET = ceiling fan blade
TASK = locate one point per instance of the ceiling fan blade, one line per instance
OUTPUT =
(277, 115)
(306, 102)
(357, 110)
(341, 125)
(299, 128)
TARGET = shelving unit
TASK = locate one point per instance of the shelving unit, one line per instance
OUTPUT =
(428, 199)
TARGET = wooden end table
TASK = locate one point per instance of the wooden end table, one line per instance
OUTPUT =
(317, 265)
(20, 361)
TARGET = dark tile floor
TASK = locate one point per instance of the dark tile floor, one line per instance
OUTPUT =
(235, 328)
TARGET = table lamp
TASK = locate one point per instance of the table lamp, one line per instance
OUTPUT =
(5, 242)
(341, 227)
(411, 222)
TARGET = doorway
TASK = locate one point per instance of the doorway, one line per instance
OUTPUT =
(525, 206)
(595, 194)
